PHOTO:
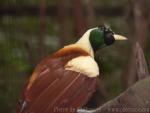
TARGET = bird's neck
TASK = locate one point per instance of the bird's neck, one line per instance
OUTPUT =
(84, 43)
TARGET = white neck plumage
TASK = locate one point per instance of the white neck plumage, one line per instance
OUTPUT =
(84, 64)
(84, 42)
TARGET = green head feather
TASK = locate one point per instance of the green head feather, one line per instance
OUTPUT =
(101, 37)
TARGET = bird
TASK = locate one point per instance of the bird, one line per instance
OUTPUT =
(65, 81)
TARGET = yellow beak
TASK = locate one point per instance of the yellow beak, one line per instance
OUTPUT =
(119, 37)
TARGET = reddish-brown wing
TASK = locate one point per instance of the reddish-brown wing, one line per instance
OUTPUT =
(52, 89)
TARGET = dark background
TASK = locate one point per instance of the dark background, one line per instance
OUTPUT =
(33, 29)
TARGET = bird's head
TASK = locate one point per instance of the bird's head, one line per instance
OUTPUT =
(103, 36)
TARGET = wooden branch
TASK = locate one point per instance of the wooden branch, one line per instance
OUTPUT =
(141, 66)
(134, 99)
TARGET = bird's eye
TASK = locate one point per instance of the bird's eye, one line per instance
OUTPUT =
(109, 38)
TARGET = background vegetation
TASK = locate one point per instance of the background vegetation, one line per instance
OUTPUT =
(33, 29)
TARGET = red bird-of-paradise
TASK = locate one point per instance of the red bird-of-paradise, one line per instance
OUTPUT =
(65, 81)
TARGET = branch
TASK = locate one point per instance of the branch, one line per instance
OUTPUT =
(134, 99)
(141, 66)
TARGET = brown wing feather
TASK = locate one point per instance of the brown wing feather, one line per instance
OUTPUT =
(52, 87)
(50, 94)
(76, 96)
